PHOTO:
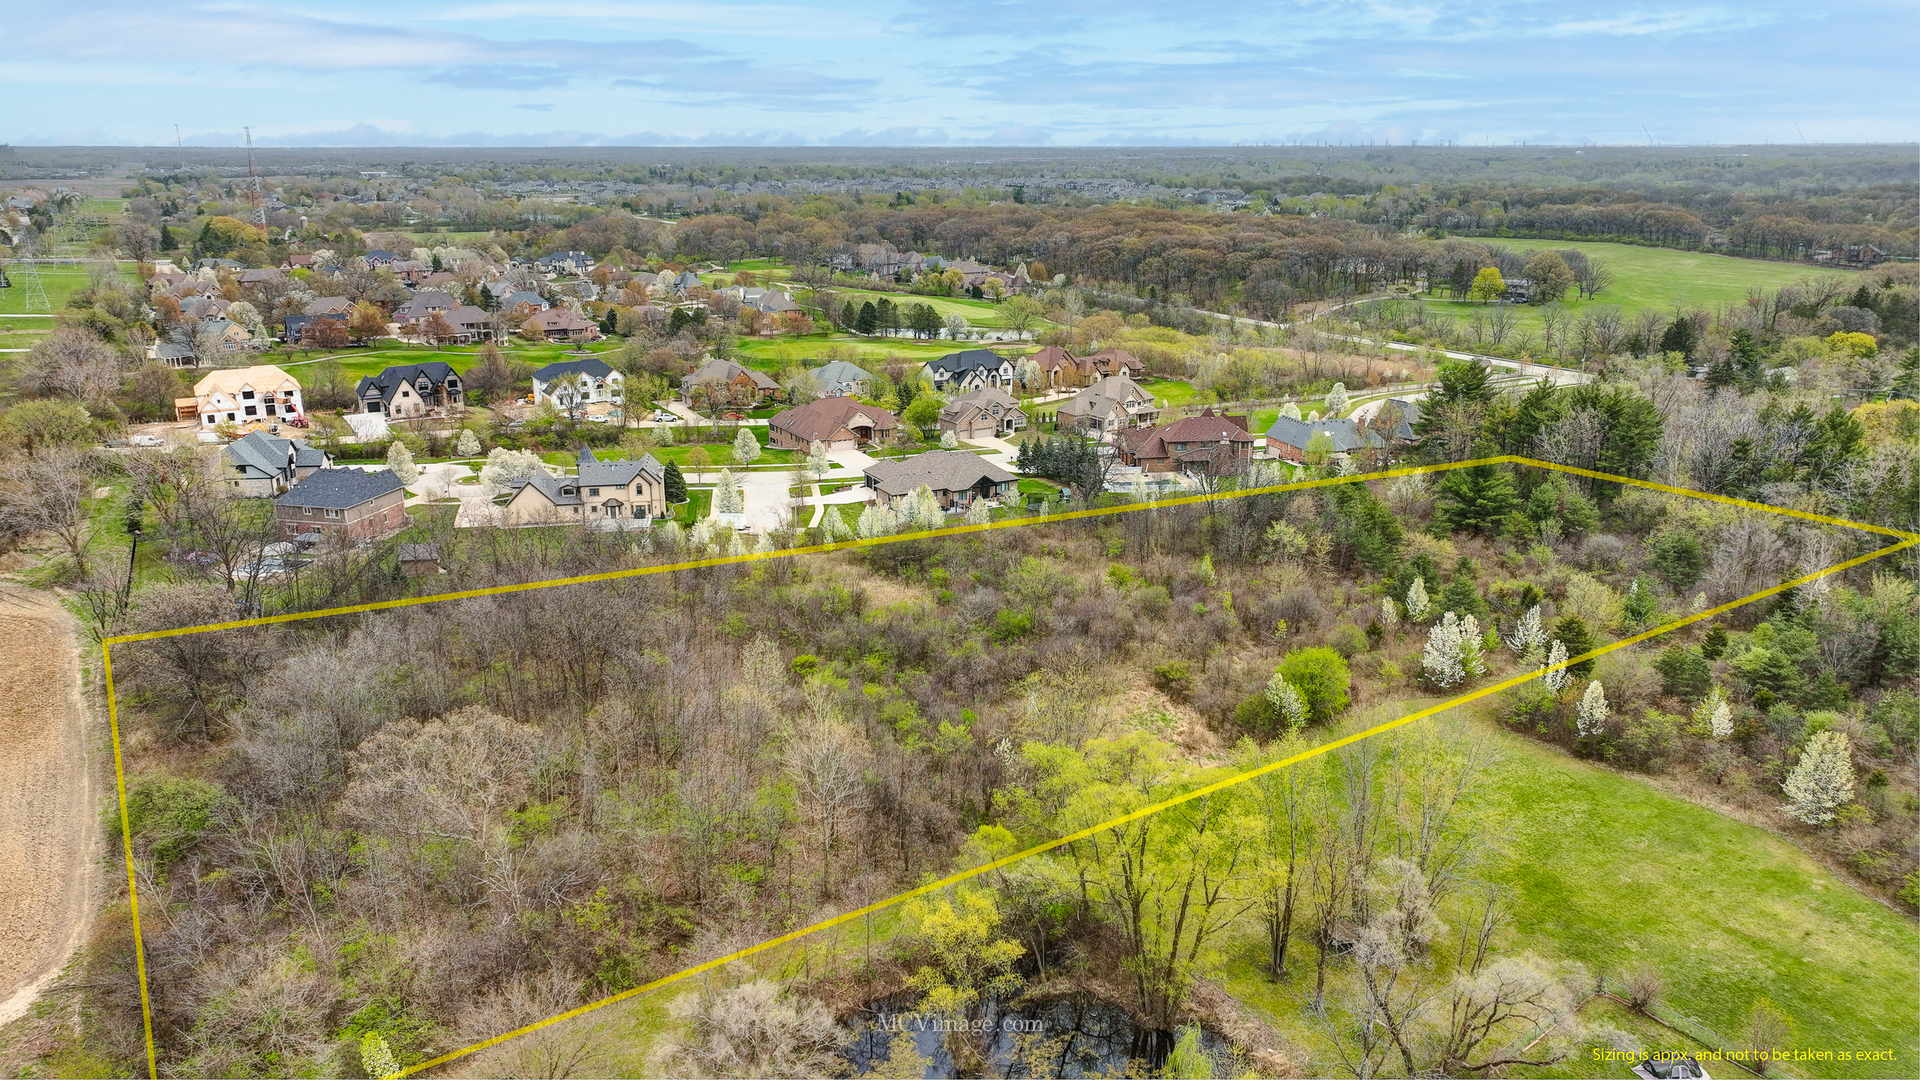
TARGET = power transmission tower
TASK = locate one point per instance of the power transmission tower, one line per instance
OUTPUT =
(26, 277)
(253, 179)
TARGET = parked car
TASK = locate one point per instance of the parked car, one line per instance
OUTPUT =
(147, 440)
(665, 418)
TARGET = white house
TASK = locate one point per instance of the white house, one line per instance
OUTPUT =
(572, 383)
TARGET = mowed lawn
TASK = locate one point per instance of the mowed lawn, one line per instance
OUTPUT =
(773, 354)
(1610, 872)
(1658, 278)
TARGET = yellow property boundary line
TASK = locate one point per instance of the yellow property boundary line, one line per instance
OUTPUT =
(1906, 540)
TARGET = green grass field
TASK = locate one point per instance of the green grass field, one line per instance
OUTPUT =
(773, 354)
(1656, 278)
(1608, 871)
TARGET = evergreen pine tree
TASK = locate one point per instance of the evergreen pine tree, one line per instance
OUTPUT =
(849, 315)
(868, 320)
(1715, 643)
(1476, 499)
(676, 485)
(1572, 630)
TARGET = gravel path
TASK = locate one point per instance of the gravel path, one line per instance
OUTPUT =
(49, 837)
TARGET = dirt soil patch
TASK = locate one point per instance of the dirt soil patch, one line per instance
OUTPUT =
(49, 837)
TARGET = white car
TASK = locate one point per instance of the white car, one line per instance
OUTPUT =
(596, 419)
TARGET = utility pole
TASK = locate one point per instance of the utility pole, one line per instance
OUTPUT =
(253, 179)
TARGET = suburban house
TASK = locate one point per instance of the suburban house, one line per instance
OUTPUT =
(842, 423)
(342, 504)
(956, 478)
(262, 464)
(1116, 362)
(1112, 404)
(612, 494)
(984, 413)
(379, 257)
(328, 305)
(410, 390)
(565, 262)
(1288, 439)
(559, 324)
(1206, 444)
(767, 301)
(723, 382)
(971, 369)
(470, 324)
(1060, 368)
(570, 383)
(239, 395)
(1409, 415)
(424, 303)
(295, 327)
(838, 378)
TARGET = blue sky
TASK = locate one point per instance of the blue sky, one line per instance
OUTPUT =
(955, 72)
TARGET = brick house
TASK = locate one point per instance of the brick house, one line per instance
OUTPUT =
(842, 423)
(1207, 444)
(723, 382)
(983, 413)
(343, 504)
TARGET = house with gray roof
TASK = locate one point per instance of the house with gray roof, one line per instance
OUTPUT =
(409, 390)
(1288, 439)
(599, 494)
(570, 384)
(969, 369)
(1113, 404)
(344, 505)
(839, 378)
(260, 464)
(956, 478)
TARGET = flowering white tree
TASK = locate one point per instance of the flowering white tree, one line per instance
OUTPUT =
(1473, 661)
(727, 496)
(1290, 411)
(979, 513)
(1528, 636)
(1287, 702)
(835, 525)
(1313, 415)
(1713, 715)
(700, 537)
(1591, 717)
(948, 441)
(468, 444)
(1556, 679)
(505, 467)
(1441, 658)
(923, 510)
(1822, 781)
(671, 536)
(746, 448)
(817, 462)
(1418, 606)
(1336, 399)
(1389, 614)
(876, 520)
(400, 460)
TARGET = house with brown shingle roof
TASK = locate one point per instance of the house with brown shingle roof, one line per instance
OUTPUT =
(1107, 406)
(986, 412)
(1060, 368)
(842, 423)
(956, 478)
(1111, 361)
(1209, 444)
